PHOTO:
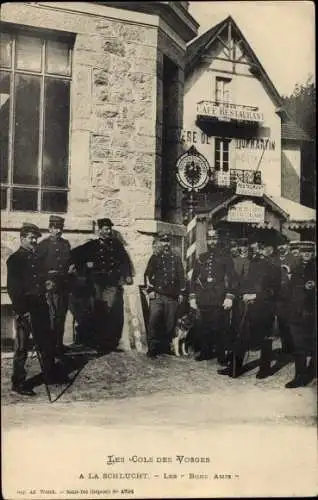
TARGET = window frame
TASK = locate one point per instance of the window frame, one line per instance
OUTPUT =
(225, 82)
(220, 163)
(45, 37)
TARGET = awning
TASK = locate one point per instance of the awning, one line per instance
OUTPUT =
(299, 216)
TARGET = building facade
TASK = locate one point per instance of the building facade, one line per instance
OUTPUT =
(233, 116)
(91, 93)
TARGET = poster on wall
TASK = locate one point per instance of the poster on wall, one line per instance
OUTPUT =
(246, 211)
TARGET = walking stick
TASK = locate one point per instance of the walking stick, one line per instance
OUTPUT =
(246, 304)
(39, 356)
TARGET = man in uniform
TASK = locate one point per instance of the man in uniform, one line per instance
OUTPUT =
(107, 263)
(55, 255)
(211, 293)
(302, 302)
(165, 282)
(26, 288)
(286, 262)
(294, 248)
(256, 293)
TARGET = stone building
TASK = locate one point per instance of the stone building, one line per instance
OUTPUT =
(234, 117)
(91, 96)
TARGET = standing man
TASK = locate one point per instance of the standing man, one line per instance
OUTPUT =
(165, 282)
(211, 293)
(55, 255)
(257, 291)
(302, 301)
(286, 262)
(108, 267)
(26, 288)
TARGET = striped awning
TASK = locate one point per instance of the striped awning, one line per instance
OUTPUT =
(295, 225)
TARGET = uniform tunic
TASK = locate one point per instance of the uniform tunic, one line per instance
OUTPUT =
(25, 284)
(111, 265)
(213, 280)
(165, 276)
(55, 255)
(302, 302)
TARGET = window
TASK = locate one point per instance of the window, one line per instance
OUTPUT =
(222, 89)
(221, 155)
(35, 83)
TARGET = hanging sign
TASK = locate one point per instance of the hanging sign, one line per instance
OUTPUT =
(193, 170)
(246, 211)
(249, 189)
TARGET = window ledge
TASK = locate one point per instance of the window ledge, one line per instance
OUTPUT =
(14, 220)
(152, 226)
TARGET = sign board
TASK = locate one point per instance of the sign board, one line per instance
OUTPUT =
(249, 189)
(223, 178)
(246, 211)
(193, 170)
(228, 112)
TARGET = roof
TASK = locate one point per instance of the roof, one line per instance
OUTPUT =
(292, 132)
(295, 211)
(290, 129)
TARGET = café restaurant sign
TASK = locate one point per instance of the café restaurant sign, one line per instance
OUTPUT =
(246, 211)
(249, 189)
(229, 112)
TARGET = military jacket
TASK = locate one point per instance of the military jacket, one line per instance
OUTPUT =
(25, 278)
(212, 279)
(287, 265)
(263, 279)
(109, 257)
(165, 274)
(55, 255)
(301, 299)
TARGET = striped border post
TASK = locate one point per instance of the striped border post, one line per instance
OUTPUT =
(191, 246)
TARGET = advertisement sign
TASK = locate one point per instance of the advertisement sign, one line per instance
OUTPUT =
(228, 112)
(223, 178)
(246, 211)
(249, 189)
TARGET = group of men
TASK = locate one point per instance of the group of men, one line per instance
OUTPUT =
(235, 296)
(41, 279)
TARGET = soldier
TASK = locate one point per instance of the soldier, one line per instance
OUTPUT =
(165, 282)
(211, 293)
(256, 293)
(294, 248)
(108, 267)
(26, 288)
(302, 298)
(55, 255)
(287, 262)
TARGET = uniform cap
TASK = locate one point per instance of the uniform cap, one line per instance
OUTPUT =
(56, 220)
(294, 243)
(28, 227)
(307, 246)
(164, 238)
(104, 222)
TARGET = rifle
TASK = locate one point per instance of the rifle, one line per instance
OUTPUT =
(27, 323)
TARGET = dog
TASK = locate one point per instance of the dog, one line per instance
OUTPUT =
(183, 334)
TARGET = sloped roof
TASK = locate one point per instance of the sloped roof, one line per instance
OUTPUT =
(295, 211)
(291, 131)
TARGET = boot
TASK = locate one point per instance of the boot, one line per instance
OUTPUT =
(22, 389)
(234, 368)
(265, 360)
(300, 379)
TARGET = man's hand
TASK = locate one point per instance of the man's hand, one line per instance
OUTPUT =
(180, 299)
(129, 280)
(49, 285)
(249, 297)
(72, 269)
(309, 285)
(227, 304)
(152, 295)
(90, 265)
(193, 303)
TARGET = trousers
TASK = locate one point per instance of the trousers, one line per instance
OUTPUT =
(42, 335)
(162, 321)
(58, 305)
(108, 315)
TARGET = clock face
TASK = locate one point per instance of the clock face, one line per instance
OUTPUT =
(193, 171)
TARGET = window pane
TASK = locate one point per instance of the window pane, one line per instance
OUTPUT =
(56, 133)
(24, 199)
(26, 138)
(3, 198)
(54, 201)
(4, 120)
(5, 52)
(29, 53)
(58, 58)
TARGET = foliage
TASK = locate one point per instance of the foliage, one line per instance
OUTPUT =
(301, 105)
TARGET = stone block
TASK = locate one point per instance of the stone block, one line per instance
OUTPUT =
(114, 45)
(144, 163)
(100, 145)
(145, 127)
